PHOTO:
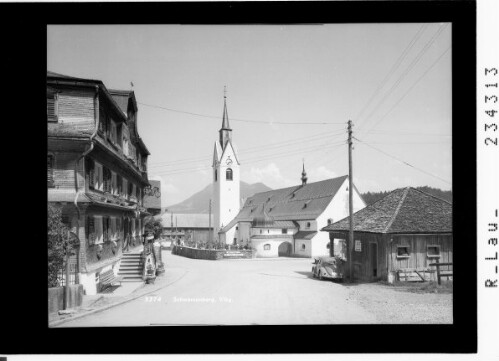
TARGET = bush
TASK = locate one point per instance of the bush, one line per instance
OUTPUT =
(154, 226)
(58, 242)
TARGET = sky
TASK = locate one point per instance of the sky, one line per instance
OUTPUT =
(290, 92)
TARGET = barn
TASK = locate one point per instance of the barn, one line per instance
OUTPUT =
(397, 237)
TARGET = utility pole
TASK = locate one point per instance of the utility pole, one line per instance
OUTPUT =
(171, 228)
(210, 235)
(350, 202)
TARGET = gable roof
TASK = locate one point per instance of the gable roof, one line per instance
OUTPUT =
(405, 210)
(292, 203)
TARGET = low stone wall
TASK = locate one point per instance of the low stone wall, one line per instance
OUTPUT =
(212, 254)
(56, 297)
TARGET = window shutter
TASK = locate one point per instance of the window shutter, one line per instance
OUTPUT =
(90, 230)
(90, 171)
(50, 170)
(105, 176)
(51, 107)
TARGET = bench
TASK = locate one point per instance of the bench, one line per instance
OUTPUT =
(107, 279)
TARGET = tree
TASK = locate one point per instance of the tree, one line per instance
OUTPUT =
(59, 243)
(154, 226)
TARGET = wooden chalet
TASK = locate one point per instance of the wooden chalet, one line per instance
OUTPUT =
(397, 237)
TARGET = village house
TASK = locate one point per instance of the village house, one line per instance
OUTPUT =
(397, 236)
(183, 227)
(96, 171)
(286, 222)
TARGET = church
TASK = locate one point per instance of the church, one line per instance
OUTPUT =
(281, 222)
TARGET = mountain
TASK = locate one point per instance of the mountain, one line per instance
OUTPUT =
(371, 197)
(198, 202)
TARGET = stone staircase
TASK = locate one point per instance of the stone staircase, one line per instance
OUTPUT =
(131, 267)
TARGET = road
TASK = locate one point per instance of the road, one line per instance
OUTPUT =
(236, 292)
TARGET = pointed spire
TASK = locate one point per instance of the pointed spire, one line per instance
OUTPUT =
(303, 175)
(225, 121)
(225, 131)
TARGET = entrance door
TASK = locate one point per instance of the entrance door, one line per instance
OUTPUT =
(284, 249)
(374, 259)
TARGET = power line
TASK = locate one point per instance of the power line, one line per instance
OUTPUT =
(394, 67)
(249, 161)
(237, 119)
(409, 90)
(292, 142)
(402, 161)
(414, 62)
(381, 131)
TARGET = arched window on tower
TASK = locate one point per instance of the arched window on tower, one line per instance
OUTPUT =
(228, 174)
(216, 173)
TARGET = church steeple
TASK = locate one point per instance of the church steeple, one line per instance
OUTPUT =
(225, 131)
(303, 175)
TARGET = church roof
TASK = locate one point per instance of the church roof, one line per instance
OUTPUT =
(290, 204)
(405, 210)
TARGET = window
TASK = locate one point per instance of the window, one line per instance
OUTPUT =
(284, 231)
(90, 170)
(125, 188)
(113, 133)
(260, 231)
(130, 190)
(119, 185)
(125, 146)
(237, 228)
(97, 277)
(98, 230)
(402, 251)
(106, 228)
(114, 234)
(114, 183)
(134, 190)
(433, 251)
(228, 174)
(303, 246)
(329, 221)
(50, 170)
(106, 175)
(266, 247)
(98, 177)
(52, 106)
(308, 224)
(328, 245)
(216, 173)
(90, 230)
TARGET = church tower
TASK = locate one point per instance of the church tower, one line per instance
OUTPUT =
(226, 181)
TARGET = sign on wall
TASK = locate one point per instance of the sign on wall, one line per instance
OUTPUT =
(358, 246)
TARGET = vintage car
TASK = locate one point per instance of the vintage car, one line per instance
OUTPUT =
(328, 268)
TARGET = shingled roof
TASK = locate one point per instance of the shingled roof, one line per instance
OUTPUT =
(290, 204)
(405, 210)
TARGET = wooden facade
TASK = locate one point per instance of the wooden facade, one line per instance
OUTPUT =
(404, 255)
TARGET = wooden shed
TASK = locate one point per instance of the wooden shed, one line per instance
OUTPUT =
(398, 237)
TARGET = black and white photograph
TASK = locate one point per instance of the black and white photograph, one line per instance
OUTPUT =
(296, 174)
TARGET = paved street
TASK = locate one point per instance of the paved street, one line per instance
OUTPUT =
(279, 291)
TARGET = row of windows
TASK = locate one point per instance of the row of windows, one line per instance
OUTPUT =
(267, 246)
(100, 229)
(228, 174)
(103, 179)
(431, 251)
